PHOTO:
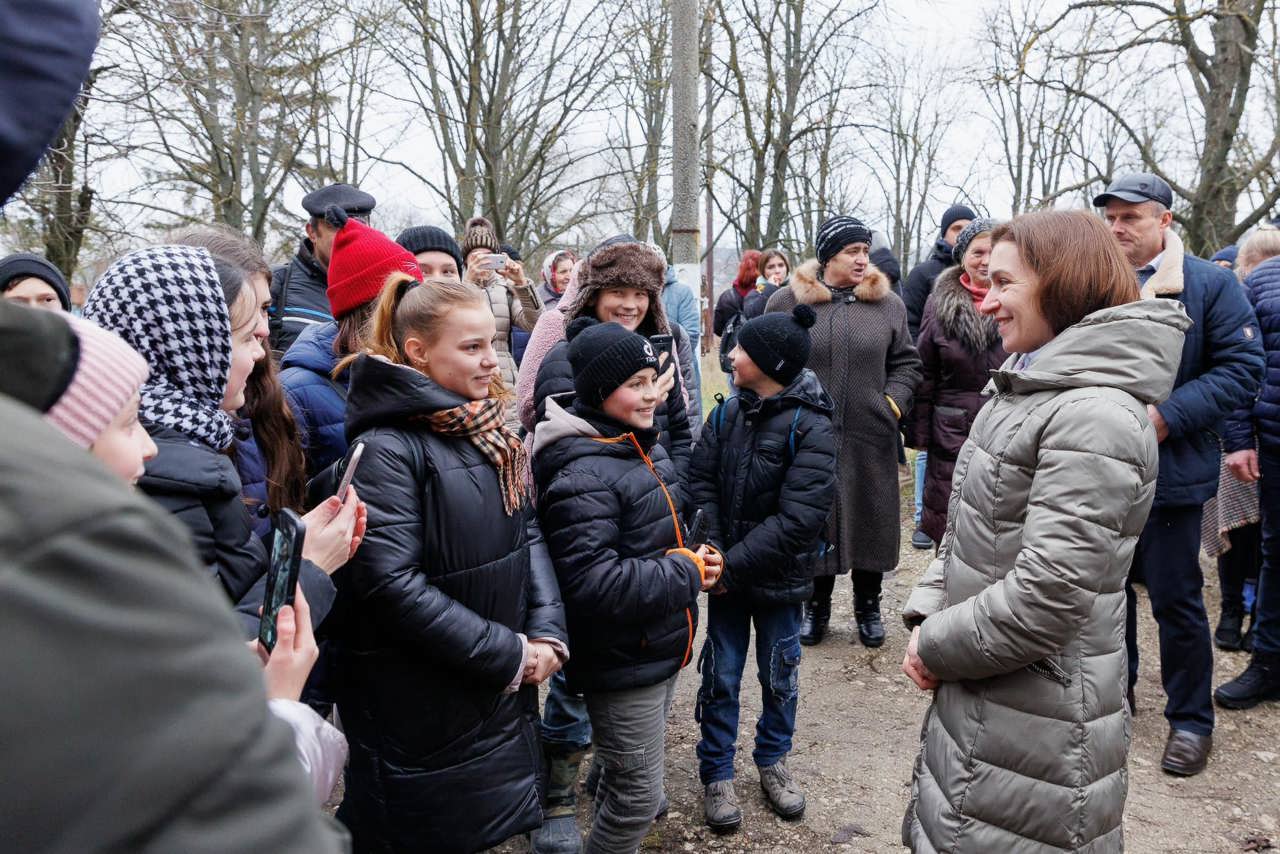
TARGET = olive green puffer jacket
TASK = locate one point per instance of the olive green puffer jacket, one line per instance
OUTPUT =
(1025, 745)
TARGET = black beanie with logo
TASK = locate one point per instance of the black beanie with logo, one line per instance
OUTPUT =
(779, 343)
(604, 356)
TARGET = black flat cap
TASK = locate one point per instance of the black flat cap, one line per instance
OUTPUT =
(1136, 188)
(354, 201)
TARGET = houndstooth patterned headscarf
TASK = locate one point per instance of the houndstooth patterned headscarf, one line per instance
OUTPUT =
(167, 303)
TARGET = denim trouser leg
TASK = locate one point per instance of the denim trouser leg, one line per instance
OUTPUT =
(724, 655)
(630, 730)
(1266, 626)
(1168, 560)
(922, 460)
(564, 717)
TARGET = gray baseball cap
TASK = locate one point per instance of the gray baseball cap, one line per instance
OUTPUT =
(1138, 187)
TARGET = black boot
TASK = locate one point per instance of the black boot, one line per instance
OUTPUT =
(866, 610)
(1259, 683)
(813, 628)
(1228, 634)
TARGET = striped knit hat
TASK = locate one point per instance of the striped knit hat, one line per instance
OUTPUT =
(108, 374)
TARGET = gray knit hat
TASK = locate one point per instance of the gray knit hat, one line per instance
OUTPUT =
(982, 225)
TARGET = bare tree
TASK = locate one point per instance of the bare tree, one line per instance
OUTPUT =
(765, 66)
(1214, 49)
(227, 94)
(505, 87)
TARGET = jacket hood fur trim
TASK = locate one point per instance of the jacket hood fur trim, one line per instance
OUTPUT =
(810, 289)
(1167, 281)
(956, 314)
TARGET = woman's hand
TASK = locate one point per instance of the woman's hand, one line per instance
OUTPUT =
(475, 275)
(334, 531)
(541, 664)
(1243, 465)
(513, 272)
(914, 667)
(666, 375)
(295, 653)
(713, 563)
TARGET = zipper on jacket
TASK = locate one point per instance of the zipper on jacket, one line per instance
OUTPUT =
(1051, 670)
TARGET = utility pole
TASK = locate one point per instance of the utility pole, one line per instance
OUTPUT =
(708, 292)
(684, 111)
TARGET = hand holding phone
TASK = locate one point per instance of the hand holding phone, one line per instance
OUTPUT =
(494, 261)
(663, 344)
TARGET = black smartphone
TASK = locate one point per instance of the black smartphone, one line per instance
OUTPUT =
(663, 344)
(697, 530)
(282, 573)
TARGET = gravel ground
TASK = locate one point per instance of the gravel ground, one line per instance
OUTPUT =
(858, 732)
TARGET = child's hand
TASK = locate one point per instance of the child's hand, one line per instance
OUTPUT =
(666, 379)
(713, 562)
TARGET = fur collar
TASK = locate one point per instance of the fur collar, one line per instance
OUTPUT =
(953, 307)
(1167, 281)
(809, 288)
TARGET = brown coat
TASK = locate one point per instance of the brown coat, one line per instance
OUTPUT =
(862, 353)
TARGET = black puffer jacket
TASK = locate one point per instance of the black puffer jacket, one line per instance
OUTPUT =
(433, 605)
(764, 474)
(919, 284)
(675, 434)
(610, 521)
(298, 298)
(202, 488)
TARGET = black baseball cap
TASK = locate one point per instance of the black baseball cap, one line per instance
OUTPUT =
(1136, 188)
(354, 201)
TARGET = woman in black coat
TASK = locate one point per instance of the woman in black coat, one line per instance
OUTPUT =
(959, 348)
(451, 612)
(174, 305)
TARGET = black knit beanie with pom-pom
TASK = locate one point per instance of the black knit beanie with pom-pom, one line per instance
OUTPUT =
(779, 343)
(604, 356)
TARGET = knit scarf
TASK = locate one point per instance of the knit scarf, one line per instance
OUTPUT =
(167, 303)
(977, 294)
(481, 421)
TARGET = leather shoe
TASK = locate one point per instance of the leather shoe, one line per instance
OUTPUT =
(1185, 753)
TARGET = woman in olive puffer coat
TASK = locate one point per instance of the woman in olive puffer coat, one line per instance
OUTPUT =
(1023, 610)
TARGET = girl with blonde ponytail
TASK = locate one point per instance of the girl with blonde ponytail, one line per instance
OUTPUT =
(454, 610)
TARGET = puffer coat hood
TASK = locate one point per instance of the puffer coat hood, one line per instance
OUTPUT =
(608, 500)
(1025, 745)
(431, 641)
(764, 473)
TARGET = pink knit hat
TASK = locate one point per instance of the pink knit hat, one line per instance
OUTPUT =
(108, 373)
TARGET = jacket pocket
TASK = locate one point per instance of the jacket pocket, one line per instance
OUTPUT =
(949, 429)
(1049, 669)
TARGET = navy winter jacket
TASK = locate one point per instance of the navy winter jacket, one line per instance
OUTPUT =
(251, 465)
(318, 402)
(764, 473)
(1261, 420)
(919, 284)
(1220, 371)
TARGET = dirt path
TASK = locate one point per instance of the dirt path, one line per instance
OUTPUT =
(858, 732)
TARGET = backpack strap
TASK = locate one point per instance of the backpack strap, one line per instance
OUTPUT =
(791, 435)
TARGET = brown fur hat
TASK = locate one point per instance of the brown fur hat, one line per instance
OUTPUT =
(623, 265)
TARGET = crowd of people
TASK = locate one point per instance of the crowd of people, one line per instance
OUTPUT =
(513, 507)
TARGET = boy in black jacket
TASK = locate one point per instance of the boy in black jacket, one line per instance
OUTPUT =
(608, 498)
(764, 473)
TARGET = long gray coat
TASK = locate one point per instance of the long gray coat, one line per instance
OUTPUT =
(1024, 747)
(862, 353)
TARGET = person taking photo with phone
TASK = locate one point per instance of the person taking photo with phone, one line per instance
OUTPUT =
(609, 500)
(453, 615)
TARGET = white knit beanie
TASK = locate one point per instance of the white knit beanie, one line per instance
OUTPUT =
(108, 373)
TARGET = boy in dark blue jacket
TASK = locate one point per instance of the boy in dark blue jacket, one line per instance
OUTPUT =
(764, 474)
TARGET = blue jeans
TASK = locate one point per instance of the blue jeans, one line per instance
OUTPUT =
(564, 718)
(922, 460)
(1167, 561)
(724, 656)
(1266, 626)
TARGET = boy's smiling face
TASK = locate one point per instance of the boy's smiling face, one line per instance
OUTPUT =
(634, 402)
(746, 373)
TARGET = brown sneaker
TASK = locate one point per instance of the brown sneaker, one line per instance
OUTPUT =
(1185, 753)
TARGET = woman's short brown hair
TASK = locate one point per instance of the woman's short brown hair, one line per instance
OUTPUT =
(1079, 264)
(767, 256)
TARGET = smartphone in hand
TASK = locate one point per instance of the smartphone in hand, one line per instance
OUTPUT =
(663, 344)
(493, 262)
(282, 573)
(350, 473)
(697, 531)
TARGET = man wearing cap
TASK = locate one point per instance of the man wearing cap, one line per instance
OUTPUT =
(1221, 369)
(298, 296)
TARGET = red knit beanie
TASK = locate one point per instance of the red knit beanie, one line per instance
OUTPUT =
(361, 261)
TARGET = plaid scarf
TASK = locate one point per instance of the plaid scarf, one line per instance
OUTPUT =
(482, 421)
